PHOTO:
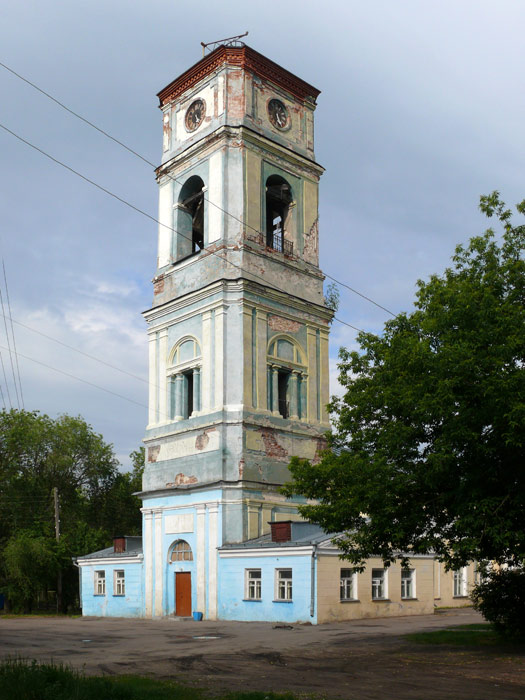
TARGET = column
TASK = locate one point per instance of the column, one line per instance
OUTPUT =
(163, 388)
(261, 343)
(275, 390)
(312, 374)
(324, 376)
(179, 380)
(152, 402)
(148, 562)
(294, 394)
(220, 321)
(213, 510)
(303, 394)
(201, 557)
(196, 390)
(206, 361)
(159, 578)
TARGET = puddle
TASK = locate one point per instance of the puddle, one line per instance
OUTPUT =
(208, 636)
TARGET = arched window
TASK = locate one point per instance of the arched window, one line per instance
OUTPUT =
(286, 378)
(181, 551)
(184, 366)
(190, 218)
(278, 201)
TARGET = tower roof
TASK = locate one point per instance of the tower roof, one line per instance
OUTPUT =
(241, 57)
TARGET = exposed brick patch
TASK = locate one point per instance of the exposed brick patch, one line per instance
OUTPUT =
(158, 285)
(320, 448)
(241, 468)
(153, 453)
(182, 479)
(277, 323)
(271, 447)
(201, 441)
(310, 248)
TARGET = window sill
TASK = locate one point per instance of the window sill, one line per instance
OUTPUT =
(99, 595)
(282, 601)
(119, 595)
(350, 600)
(381, 600)
(252, 600)
(410, 598)
(460, 596)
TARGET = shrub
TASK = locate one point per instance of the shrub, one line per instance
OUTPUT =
(500, 598)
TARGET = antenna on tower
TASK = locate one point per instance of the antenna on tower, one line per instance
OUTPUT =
(230, 41)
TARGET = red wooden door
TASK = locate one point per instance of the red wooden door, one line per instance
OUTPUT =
(183, 594)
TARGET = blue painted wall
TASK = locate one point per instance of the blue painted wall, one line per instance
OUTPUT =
(110, 605)
(233, 606)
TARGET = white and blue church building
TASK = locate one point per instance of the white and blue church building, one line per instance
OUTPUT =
(238, 372)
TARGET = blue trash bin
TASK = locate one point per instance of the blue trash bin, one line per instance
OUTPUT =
(197, 616)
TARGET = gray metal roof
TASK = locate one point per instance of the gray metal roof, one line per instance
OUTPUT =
(133, 549)
(303, 534)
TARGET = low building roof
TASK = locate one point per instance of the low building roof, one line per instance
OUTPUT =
(303, 535)
(133, 549)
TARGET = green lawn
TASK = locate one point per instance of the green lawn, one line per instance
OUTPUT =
(29, 680)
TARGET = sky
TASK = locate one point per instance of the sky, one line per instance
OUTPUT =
(421, 111)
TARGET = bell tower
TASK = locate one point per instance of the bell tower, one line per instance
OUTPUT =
(238, 329)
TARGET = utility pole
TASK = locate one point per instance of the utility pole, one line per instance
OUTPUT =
(57, 535)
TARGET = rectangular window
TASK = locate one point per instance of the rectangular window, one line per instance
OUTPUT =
(119, 585)
(408, 583)
(283, 586)
(348, 585)
(460, 582)
(378, 584)
(252, 584)
(100, 583)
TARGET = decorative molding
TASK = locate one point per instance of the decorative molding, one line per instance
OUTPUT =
(239, 57)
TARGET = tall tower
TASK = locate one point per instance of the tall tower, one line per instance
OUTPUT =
(238, 329)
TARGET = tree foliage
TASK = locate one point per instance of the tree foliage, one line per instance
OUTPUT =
(96, 501)
(500, 598)
(428, 437)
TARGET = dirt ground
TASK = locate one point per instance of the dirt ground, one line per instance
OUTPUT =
(363, 659)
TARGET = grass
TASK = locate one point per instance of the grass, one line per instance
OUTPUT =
(480, 634)
(29, 680)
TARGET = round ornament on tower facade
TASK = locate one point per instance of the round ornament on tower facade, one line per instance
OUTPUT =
(278, 114)
(195, 115)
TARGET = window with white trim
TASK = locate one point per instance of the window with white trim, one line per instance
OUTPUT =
(460, 582)
(379, 584)
(283, 584)
(119, 583)
(181, 551)
(100, 583)
(408, 583)
(348, 585)
(252, 588)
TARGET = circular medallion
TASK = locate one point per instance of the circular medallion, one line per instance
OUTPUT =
(195, 115)
(278, 114)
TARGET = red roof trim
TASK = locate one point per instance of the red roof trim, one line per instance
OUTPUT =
(243, 57)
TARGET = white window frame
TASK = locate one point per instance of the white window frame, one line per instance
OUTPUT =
(460, 583)
(252, 584)
(408, 584)
(99, 582)
(283, 585)
(119, 582)
(347, 585)
(379, 584)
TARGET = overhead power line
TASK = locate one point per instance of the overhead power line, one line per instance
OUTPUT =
(174, 179)
(13, 335)
(149, 216)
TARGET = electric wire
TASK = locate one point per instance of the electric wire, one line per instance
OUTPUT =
(9, 346)
(5, 380)
(174, 179)
(149, 216)
(13, 333)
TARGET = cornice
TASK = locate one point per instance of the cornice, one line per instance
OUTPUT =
(239, 57)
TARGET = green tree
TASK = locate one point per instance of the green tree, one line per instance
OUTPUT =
(428, 438)
(96, 501)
